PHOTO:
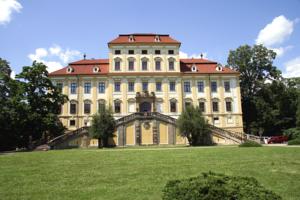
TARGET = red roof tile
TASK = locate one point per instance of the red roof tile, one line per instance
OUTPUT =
(203, 67)
(84, 67)
(143, 38)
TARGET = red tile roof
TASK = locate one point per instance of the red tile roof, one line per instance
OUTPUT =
(143, 38)
(84, 67)
(204, 66)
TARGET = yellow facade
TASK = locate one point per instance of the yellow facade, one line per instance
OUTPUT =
(126, 97)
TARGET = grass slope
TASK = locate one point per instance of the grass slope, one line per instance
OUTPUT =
(139, 174)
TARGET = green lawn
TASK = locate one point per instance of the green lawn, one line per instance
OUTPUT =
(139, 173)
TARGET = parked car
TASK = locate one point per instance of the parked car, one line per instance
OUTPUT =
(278, 139)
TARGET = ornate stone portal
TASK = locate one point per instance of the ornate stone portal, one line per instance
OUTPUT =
(145, 101)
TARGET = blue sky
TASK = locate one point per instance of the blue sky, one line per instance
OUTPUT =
(60, 31)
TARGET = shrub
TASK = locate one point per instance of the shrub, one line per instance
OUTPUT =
(212, 186)
(294, 142)
(292, 133)
(250, 143)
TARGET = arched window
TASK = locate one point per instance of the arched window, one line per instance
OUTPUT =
(173, 105)
(101, 105)
(228, 104)
(131, 105)
(157, 64)
(131, 62)
(73, 107)
(87, 106)
(144, 64)
(188, 102)
(215, 105)
(171, 64)
(117, 106)
(117, 64)
(202, 105)
(159, 105)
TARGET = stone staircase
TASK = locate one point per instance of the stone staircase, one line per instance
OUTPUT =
(235, 137)
(70, 135)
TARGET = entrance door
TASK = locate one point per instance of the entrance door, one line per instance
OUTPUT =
(145, 107)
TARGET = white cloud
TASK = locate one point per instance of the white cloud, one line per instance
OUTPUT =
(276, 32)
(54, 57)
(292, 68)
(7, 7)
(185, 55)
(281, 50)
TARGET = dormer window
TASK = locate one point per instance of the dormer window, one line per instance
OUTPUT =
(70, 70)
(131, 38)
(219, 67)
(157, 39)
(96, 69)
(194, 68)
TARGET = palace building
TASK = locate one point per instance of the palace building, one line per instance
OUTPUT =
(148, 85)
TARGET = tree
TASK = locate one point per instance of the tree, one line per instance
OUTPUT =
(103, 127)
(194, 127)
(256, 67)
(298, 113)
(4, 68)
(29, 107)
(44, 102)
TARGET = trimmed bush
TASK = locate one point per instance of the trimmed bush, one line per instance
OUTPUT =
(294, 142)
(292, 133)
(212, 186)
(250, 143)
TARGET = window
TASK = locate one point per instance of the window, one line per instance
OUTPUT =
(73, 88)
(200, 86)
(145, 86)
(202, 106)
(59, 86)
(117, 87)
(158, 86)
(87, 108)
(144, 52)
(171, 65)
(157, 52)
(187, 86)
(117, 52)
(87, 88)
(73, 108)
(215, 106)
(214, 86)
(117, 107)
(101, 106)
(227, 86)
(228, 106)
(187, 104)
(144, 65)
(130, 51)
(173, 106)
(216, 120)
(131, 106)
(101, 87)
(72, 122)
(172, 86)
(117, 65)
(131, 87)
(171, 52)
(157, 65)
(131, 65)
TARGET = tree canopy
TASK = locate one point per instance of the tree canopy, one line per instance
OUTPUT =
(103, 127)
(29, 107)
(269, 102)
(192, 125)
